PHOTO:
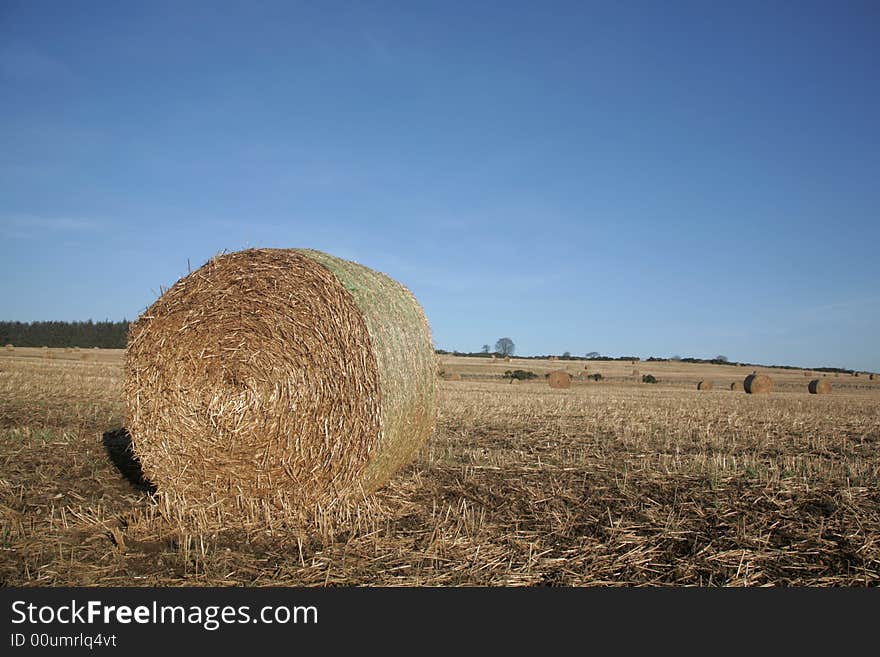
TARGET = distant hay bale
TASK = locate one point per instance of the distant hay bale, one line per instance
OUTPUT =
(758, 384)
(507, 359)
(452, 376)
(819, 387)
(870, 376)
(736, 385)
(85, 356)
(559, 379)
(277, 379)
(554, 358)
(806, 374)
(705, 385)
(514, 382)
(586, 367)
(9, 347)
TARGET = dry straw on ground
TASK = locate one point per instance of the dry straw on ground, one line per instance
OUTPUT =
(736, 385)
(452, 376)
(819, 387)
(559, 379)
(635, 373)
(705, 385)
(758, 383)
(277, 379)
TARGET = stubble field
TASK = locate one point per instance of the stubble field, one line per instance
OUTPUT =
(606, 483)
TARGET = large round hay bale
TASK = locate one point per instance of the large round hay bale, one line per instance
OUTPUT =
(705, 385)
(736, 385)
(758, 384)
(819, 387)
(559, 379)
(282, 378)
(507, 359)
(870, 376)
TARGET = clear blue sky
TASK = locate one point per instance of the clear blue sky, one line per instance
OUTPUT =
(691, 178)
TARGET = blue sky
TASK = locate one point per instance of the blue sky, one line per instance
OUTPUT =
(630, 178)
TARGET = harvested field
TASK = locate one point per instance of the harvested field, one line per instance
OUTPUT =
(613, 484)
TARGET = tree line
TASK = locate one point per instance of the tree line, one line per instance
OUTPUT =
(106, 335)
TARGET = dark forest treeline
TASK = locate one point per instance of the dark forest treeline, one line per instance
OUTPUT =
(106, 335)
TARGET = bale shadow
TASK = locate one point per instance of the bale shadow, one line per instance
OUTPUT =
(117, 442)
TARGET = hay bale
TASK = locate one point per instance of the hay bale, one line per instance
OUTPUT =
(705, 385)
(806, 374)
(736, 385)
(758, 384)
(870, 376)
(819, 387)
(559, 379)
(554, 358)
(507, 359)
(514, 382)
(452, 376)
(277, 379)
(9, 347)
(635, 373)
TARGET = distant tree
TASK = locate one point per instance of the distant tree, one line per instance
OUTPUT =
(675, 358)
(566, 355)
(505, 346)
(486, 348)
(593, 354)
(723, 359)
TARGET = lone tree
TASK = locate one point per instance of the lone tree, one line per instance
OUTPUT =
(566, 355)
(486, 348)
(720, 358)
(593, 354)
(505, 346)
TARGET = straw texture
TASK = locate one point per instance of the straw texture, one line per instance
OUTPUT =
(559, 379)
(819, 387)
(758, 384)
(278, 378)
